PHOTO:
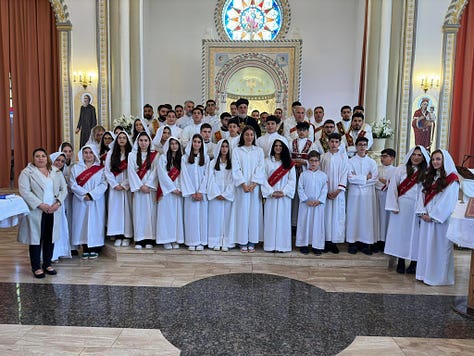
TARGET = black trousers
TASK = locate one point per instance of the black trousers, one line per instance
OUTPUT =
(46, 244)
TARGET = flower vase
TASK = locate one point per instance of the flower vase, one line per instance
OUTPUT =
(378, 145)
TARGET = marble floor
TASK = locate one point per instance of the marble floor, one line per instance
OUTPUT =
(176, 302)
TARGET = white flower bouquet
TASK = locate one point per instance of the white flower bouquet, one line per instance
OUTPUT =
(382, 129)
(126, 122)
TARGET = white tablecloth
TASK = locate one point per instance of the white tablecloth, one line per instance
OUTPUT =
(467, 186)
(461, 229)
(11, 209)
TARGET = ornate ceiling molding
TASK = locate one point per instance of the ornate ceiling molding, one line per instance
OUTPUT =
(454, 13)
(62, 15)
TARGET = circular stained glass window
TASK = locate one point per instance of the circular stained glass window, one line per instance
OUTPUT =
(252, 20)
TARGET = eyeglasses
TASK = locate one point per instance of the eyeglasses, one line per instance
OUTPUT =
(314, 160)
(362, 145)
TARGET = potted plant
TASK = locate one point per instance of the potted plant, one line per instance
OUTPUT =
(381, 130)
(125, 122)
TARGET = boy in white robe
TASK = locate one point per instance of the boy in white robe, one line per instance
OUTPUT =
(312, 191)
(386, 171)
(362, 228)
(206, 133)
(265, 142)
(234, 129)
(193, 128)
(434, 207)
(171, 124)
(221, 131)
(335, 164)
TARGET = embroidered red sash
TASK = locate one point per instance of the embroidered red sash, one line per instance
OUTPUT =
(279, 174)
(432, 193)
(350, 140)
(407, 184)
(293, 129)
(122, 166)
(304, 152)
(218, 136)
(173, 174)
(142, 170)
(324, 143)
(87, 174)
(340, 128)
(317, 129)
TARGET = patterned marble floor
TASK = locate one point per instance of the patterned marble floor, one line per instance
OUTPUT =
(224, 307)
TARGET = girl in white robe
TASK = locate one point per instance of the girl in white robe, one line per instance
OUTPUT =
(220, 192)
(248, 173)
(68, 150)
(403, 191)
(434, 207)
(279, 190)
(193, 182)
(164, 133)
(312, 191)
(170, 230)
(142, 179)
(87, 182)
(119, 218)
(62, 247)
(335, 164)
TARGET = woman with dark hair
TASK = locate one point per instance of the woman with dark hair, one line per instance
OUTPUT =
(105, 142)
(193, 182)
(169, 196)
(88, 184)
(248, 173)
(434, 207)
(44, 189)
(142, 165)
(220, 192)
(139, 125)
(279, 190)
(405, 185)
(160, 139)
(119, 219)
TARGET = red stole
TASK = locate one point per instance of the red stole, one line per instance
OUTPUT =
(293, 129)
(431, 193)
(340, 128)
(350, 140)
(142, 170)
(173, 174)
(87, 174)
(324, 143)
(407, 184)
(304, 152)
(122, 166)
(279, 174)
(317, 129)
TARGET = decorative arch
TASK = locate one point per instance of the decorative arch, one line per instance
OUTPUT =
(281, 60)
(450, 30)
(64, 26)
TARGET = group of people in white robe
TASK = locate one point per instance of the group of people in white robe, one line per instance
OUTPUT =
(226, 189)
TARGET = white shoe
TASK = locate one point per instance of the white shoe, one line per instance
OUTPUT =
(192, 248)
(199, 248)
(138, 247)
(217, 248)
(118, 242)
(176, 246)
(225, 249)
(125, 242)
(167, 246)
(148, 246)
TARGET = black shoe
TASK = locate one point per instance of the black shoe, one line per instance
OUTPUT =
(375, 247)
(304, 250)
(74, 253)
(401, 266)
(366, 250)
(327, 246)
(39, 275)
(317, 251)
(51, 271)
(352, 249)
(411, 268)
(334, 248)
(381, 246)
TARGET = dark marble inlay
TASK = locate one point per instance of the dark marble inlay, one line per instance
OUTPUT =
(238, 313)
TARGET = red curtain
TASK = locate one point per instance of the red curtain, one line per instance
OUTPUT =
(461, 137)
(33, 63)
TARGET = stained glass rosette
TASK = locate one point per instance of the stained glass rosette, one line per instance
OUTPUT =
(252, 20)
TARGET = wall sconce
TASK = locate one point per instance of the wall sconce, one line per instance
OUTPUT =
(82, 78)
(429, 83)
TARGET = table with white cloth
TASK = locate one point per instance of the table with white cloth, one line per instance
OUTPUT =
(12, 207)
(467, 186)
(461, 232)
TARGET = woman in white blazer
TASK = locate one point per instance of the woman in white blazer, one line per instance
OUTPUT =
(44, 189)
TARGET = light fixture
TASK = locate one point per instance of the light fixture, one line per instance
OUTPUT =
(82, 78)
(429, 82)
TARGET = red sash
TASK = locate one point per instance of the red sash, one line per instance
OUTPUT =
(173, 174)
(293, 129)
(317, 129)
(432, 193)
(407, 184)
(279, 174)
(122, 166)
(350, 140)
(304, 151)
(218, 136)
(340, 128)
(87, 174)
(324, 143)
(103, 157)
(142, 170)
